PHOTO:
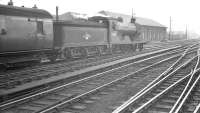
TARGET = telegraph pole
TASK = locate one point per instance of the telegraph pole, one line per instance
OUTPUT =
(170, 25)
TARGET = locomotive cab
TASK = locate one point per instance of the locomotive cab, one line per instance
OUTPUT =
(120, 34)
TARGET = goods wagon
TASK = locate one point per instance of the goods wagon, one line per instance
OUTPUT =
(81, 38)
(25, 34)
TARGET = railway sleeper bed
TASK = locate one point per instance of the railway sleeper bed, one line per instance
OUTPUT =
(73, 75)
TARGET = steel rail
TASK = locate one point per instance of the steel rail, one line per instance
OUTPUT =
(197, 110)
(14, 73)
(144, 106)
(75, 82)
(184, 93)
(189, 83)
(147, 89)
(188, 93)
(123, 106)
(99, 88)
(13, 81)
(147, 104)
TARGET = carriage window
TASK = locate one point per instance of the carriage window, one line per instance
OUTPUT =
(2, 22)
(40, 28)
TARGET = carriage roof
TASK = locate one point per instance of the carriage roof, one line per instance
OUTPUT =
(24, 12)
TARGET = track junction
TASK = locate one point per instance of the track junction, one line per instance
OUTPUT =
(164, 80)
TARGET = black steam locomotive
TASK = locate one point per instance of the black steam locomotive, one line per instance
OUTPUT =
(31, 34)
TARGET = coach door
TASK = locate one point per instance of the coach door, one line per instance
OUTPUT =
(2, 31)
(40, 35)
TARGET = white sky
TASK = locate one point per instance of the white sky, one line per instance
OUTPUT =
(182, 12)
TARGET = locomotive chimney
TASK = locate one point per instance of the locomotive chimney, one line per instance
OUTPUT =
(133, 18)
(10, 3)
(57, 18)
(35, 6)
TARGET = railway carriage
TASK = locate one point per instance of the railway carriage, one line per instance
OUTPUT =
(25, 34)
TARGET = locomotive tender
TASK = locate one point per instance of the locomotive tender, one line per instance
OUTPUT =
(30, 34)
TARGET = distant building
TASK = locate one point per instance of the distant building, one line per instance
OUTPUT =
(149, 30)
(73, 16)
(177, 35)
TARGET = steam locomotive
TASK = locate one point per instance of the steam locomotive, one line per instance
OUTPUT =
(28, 35)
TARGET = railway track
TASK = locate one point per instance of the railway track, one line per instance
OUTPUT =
(189, 100)
(163, 95)
(168, 100)
(15, 83)
(73, 61)
(91, 59)
(27, 74)
(53, 97)
(11, 80)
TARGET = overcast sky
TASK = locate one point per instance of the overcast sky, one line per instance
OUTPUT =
(182, 12)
